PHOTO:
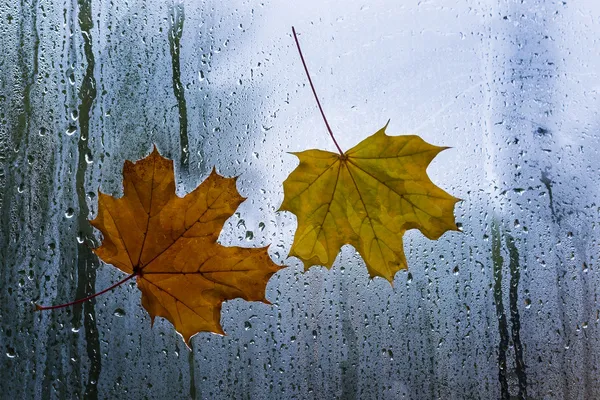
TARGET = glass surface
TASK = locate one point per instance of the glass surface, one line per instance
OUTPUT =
(506, 309)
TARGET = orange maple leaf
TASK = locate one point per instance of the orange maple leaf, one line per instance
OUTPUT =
(170, 244)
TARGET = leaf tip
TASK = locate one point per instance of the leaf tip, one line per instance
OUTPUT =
(457, 228)
(307, 264)
(187, 340)
(127, 166)
(155, 154)
(390, 279)
(267, 302)
(220, 331)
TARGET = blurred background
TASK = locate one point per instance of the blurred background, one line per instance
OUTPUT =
(507, 309)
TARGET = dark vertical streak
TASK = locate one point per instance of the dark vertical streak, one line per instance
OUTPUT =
(192, 366)
(175, 32)
(14, 139)
(515, 276)
(561, 273)
(497, 261)
(350, 365)
(28, 75)
(86, 261)
(548, 183)
(20, 138)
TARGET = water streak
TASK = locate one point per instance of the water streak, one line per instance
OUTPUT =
(87, 262)
(175, 33)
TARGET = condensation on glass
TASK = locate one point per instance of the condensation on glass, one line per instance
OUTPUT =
(506, 309)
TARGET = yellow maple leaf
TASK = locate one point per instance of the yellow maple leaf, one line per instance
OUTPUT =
(367, 197)
(170, 244)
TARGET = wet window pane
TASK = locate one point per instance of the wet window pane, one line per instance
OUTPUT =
(506, 309)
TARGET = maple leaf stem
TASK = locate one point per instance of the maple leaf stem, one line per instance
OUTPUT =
(315, 92)
(122, 281)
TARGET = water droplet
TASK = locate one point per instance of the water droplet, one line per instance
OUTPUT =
(119, 312)
(247, 325)
(261, 226)
(10, 352)
(69, 213)
(89, 158)
(249, 235)
(71, 130)
(43, 131)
